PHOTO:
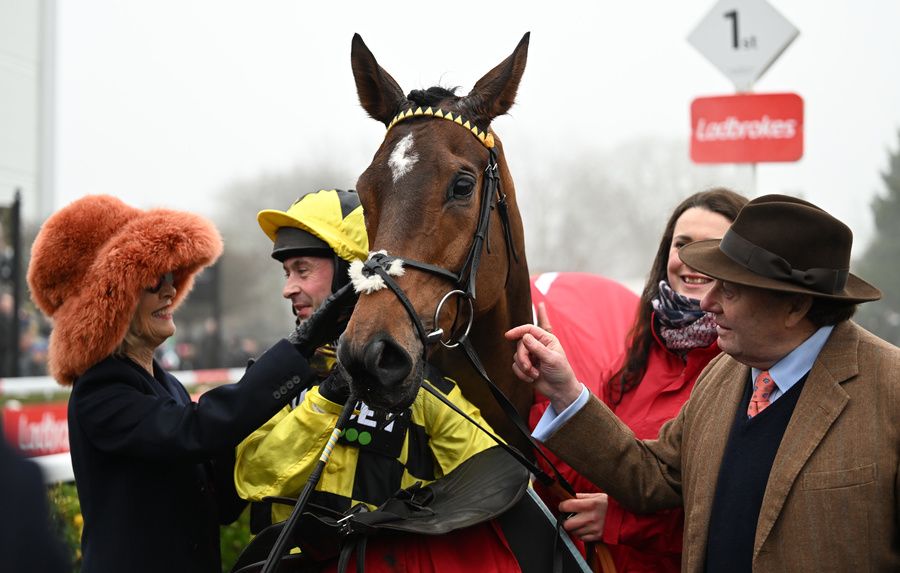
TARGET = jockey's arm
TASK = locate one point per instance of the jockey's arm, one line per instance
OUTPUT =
(277, 459)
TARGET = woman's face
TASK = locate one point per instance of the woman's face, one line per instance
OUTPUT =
(695, 224)
(153, 322)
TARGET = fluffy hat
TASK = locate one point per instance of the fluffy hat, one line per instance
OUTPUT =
(90, 262)
(785, 244)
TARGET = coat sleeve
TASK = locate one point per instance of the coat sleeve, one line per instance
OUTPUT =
(644, 476)
(118, 416)
(277, 459)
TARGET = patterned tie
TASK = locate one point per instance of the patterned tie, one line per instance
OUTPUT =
(762, 389)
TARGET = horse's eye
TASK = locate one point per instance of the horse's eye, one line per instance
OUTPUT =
(462, 187)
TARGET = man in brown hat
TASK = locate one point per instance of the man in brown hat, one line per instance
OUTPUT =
(786, 456)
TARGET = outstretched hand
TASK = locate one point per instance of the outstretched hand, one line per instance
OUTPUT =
(327, 323)
(540, 359)
(589, 517)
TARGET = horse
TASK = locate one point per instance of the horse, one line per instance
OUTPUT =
(438, 196)
(447, 270)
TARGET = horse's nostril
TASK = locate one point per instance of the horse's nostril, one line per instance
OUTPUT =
(387, 361)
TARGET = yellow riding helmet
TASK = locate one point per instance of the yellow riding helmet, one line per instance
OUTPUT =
(316, 223)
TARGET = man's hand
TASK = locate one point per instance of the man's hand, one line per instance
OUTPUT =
(326, 323)
(539, 359)
(589, 517)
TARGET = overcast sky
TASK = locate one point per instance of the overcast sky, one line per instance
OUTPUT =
(165, 102)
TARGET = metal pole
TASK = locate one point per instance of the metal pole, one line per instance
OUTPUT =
(752, 180)
(16, 277)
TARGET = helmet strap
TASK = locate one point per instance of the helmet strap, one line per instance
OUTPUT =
(341, 273)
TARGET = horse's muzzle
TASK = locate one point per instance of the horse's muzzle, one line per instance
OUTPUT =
(382, 373)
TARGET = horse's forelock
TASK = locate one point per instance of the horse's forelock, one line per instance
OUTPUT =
(432, 96)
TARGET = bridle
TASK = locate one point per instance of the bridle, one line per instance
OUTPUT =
(387, 266)
(379, 270)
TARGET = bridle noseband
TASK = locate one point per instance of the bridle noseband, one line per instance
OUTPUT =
(382, 265)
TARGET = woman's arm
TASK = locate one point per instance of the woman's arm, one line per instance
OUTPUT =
(119, 417)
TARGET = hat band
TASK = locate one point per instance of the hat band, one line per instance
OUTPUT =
(770, 265)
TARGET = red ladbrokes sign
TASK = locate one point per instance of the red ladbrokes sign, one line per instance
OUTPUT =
(37, 429)
(749, 128)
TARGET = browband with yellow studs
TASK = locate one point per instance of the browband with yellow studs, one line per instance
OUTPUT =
(485, 137)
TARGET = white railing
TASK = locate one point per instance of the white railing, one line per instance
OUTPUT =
(45, 385)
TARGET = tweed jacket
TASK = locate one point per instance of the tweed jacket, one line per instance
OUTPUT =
(831, 502)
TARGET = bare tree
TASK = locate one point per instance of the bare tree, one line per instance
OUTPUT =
(604, 211)
(600, 212)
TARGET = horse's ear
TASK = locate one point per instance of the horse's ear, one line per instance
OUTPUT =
(379, 93)
(495, 93)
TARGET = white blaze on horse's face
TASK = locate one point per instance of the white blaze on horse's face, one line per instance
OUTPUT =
(403, 158)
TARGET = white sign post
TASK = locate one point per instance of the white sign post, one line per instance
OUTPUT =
(742, 38)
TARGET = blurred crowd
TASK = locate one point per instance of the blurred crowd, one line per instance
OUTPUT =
(195, 349)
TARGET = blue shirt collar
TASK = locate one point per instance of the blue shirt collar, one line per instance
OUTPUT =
(790, 369)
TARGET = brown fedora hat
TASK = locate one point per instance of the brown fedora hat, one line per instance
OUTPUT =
(784, 244)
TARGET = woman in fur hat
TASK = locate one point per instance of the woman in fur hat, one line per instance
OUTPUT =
(153, 469)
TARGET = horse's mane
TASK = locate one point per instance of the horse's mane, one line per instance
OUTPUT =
(432, 96)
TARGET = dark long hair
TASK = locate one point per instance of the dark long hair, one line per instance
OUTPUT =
(718, 200)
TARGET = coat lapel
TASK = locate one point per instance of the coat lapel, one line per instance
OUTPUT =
(821, 402)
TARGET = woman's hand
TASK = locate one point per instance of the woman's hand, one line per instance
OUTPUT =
(539, 359)
(589, 511)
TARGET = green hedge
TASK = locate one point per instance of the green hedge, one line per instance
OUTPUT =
(65, 514)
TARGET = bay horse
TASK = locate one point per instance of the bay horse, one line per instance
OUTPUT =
(439, 196)
(447, 270)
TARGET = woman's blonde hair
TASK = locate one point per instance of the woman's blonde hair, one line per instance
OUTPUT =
(133, 336)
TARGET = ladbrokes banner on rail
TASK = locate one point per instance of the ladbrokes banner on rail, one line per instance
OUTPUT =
(748, 128)
(37, 429)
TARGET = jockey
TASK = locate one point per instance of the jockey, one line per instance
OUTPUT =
(315, 240)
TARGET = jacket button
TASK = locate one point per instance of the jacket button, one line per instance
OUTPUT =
(296, 379)
(276, 394)
(290, 384)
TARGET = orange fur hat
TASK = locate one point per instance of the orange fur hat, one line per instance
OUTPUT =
(90, 262)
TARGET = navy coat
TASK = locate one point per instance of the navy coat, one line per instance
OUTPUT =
(154, 470)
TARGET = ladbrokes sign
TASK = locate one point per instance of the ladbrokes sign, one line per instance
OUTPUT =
(751, 128)
(37, 429)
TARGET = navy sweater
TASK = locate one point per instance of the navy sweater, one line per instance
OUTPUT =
(743, 475)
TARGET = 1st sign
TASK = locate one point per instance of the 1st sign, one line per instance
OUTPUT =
(743, 38)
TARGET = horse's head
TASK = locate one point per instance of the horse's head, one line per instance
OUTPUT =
(424, 195)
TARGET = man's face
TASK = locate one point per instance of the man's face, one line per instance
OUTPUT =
(751, 323)
(307, 282)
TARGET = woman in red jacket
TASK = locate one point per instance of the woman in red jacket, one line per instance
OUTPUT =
(671, 341)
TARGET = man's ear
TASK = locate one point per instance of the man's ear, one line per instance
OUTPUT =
(798, 306)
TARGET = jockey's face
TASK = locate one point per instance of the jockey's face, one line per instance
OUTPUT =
(307, 282)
